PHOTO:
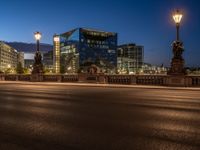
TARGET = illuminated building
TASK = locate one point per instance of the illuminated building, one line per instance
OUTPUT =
(130, 58)
(8, 57)
(56, 54)
(20, 58)
(28, 59)
(82, 48)
(48, 60)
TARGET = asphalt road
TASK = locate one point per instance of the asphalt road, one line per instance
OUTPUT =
(63, 117)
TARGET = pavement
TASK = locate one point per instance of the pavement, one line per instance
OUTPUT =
(65, 116)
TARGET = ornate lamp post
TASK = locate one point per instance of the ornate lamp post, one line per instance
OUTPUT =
(177, 63)
(177, 16)
(37, 66)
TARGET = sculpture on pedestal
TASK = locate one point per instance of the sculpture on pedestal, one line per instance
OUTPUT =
(177, 63)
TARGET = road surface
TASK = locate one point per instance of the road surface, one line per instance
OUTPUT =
(41, 116)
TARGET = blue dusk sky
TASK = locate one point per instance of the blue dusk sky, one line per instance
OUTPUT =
(144, 22)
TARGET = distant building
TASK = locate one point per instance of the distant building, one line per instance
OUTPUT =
(20, 58)
(152, 69)
(130, 58)
(8, 57)
(28, 59)
(77, 50)
(48, 59)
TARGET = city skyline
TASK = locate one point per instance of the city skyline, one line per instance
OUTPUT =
(144, 23)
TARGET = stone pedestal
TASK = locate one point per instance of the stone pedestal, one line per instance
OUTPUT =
(177, 81)
(102, 79)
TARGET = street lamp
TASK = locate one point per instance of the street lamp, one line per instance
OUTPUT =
(37, 66)
(177, 63)
(177, 16)
(38, 36)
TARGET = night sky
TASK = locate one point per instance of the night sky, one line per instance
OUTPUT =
(144, 22)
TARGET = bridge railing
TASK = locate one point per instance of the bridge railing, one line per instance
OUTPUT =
(60, 78)
(151, 79)
(69, 78)
(160, 80)
(51, 78)
(11, 77)
(24, 77)
(193, 81)
(119, 79)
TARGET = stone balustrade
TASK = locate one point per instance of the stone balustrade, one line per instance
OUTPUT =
(69, 78)
(119, 79)
(160, 80)
(151, 79)
(193, 81)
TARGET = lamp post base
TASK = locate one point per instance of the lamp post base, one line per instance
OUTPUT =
(36, 78)
(176, 81)
(177, 67)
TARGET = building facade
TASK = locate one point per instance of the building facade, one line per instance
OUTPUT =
(77, 50)
(29, 59)
(48, 60)
(20, 58)
(152, 69)
(130, 58)
(8, 57)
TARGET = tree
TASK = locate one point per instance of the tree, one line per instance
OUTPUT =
(9, 71)
(26, 71)
(62, 69)
(19, 68)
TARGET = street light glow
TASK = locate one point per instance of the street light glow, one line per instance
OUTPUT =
(177, 16)
(56, 39)
(38, 35)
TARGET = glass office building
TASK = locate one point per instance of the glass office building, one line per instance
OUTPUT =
(130, 58)
(82, 48)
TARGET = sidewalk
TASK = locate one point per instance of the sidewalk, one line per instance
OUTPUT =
(101, 85)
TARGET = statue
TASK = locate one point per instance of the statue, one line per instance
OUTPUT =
(178, 49)
(37, 66)
(177, 64)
